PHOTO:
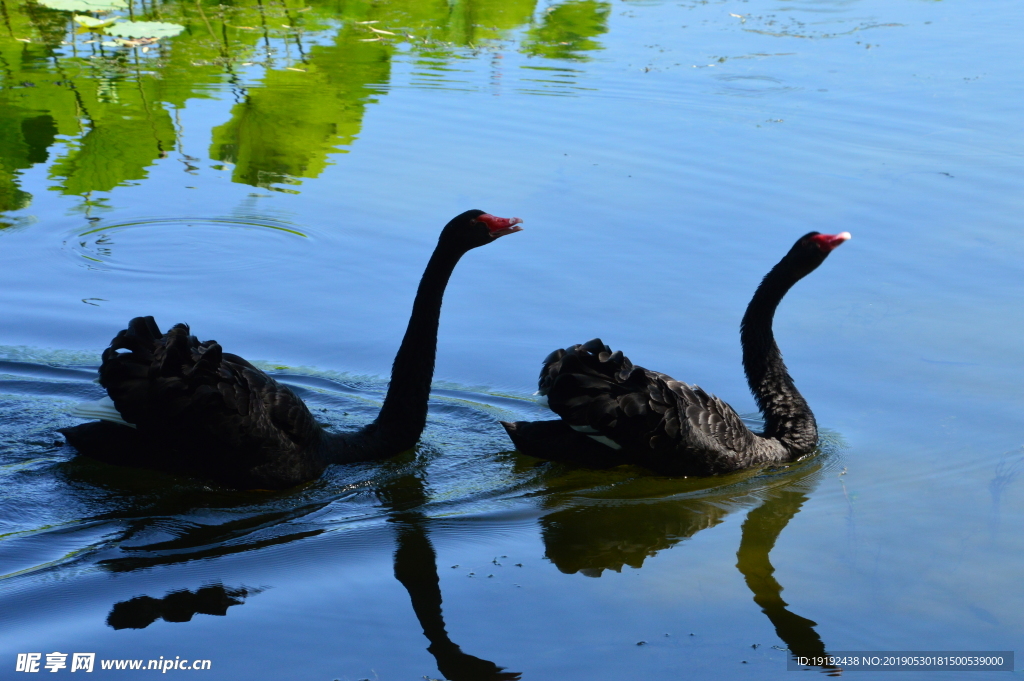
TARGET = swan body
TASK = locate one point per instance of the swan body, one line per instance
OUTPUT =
(613, 412)
(186, 406)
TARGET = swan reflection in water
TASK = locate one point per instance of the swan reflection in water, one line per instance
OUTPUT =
(629, 518)
(415, 566)
(180, 605)
(416, 569)
(608, 534)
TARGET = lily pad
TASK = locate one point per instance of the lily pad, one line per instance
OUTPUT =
(145, 29)
(92, 22)
(84, 5)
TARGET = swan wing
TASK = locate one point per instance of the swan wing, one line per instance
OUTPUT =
(700, 428)
(649, 417)
(219, 413)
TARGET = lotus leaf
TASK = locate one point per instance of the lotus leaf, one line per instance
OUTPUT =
(144, 29)
(92, 22)
(84, 5)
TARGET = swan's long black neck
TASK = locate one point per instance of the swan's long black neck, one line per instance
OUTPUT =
(404, 412)
(787, 416)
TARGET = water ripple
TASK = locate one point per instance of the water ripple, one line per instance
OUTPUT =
(184, 246)
(76, 512)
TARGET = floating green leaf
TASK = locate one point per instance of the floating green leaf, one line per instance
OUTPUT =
(145, 29)
(84, 5)
(91, 22)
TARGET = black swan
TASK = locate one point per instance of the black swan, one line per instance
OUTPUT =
(615, 413)
(187, 407)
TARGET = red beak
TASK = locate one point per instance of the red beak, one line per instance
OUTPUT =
(500, 226)
(828, 242)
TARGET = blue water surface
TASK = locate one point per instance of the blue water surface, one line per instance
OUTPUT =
(276, 175)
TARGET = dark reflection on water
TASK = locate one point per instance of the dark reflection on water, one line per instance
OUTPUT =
(177, 606)
(415, 564)
(416, 568)
(404, 499)
(591, 521)
(761, 530)
(588, 538)
(141, 520)
(591, 539)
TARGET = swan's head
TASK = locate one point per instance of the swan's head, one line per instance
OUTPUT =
(809, 251)
(476, 228)
(828, 242)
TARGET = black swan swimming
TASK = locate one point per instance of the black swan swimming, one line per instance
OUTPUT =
(190, 408)
(613, 412)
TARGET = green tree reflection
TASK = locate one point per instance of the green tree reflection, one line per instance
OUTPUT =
(286, 128)
(567, 30)
(127, 131)
(302, 74)
(23, 142)
(30, 117)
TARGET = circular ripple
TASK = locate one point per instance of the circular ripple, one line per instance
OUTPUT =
(182, 246)
(752, 86)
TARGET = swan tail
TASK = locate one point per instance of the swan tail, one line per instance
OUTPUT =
(212, 413)
(558, 441)
(598, 392)
(642, 417)
(110, 443)
(153, 377)
(592, 357)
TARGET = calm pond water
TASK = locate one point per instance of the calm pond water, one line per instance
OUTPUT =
(276, 173)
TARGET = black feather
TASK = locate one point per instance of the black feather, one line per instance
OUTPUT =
(203, 412)
(671, 427)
